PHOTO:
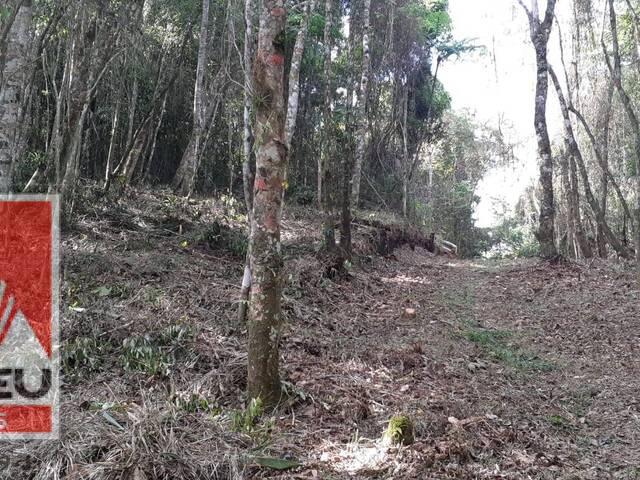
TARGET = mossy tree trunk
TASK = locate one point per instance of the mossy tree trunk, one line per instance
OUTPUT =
(265, 319)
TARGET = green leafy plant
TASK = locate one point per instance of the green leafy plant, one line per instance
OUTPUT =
(139, 354)
(85, 353)
(194, 402)
(244, 421)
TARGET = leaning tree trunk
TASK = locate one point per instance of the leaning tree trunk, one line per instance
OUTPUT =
(576, 153)
(616, 74)
(361, 114)
(265, 317)
(294, 76)
(570, 178)
(185, 177)
(12, 85)
(540, 31)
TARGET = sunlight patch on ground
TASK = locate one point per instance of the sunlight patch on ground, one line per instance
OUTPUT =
(359, 456)
(401, 279)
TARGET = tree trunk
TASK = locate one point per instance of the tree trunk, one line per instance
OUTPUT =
(577, 233)
(616, 74)
(294, 76)
(12, 87)
(540, 31)
(568, 241)
(152, 151)
(133, 158)
(575, 151)
(248, 169)
(133, 102)
(265, 315)
(326, 177)
(184, 181)
(603, 126)
(361, 114)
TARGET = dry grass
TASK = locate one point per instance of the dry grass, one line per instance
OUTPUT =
(155, 364)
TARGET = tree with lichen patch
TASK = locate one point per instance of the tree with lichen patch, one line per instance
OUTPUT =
(265, 320)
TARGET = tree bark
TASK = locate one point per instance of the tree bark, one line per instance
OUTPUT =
(14, 76)
(573, 194)
(265, 317)
(184, 181)
(361, 113)
(540, 31)
(576, 153)
(248, 167)
(615, 70)
(294, 75)
(326, 187)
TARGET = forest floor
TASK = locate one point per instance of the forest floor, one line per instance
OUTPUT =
(509, 369)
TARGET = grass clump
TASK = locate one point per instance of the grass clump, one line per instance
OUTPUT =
(194, 402)
(156, 355)
(495, 344)
(140, 354)
(400, 431)
(84, 354)
(217, 235)
(245, 421)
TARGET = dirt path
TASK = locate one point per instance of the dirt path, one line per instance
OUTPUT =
(511, 370)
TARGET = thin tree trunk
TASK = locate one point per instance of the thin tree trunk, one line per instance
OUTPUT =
(326, 176)
(576, 233)
(575, 151)
(152, 151)
(248, 176)
(133, 102)
(294, 75)
(616, 73)
(13, 81)
(569, 239)
(112, 141)
(604, 127)
(603, 162)
(361, 114)
(540, 31)
(265, 317)
(184, 181)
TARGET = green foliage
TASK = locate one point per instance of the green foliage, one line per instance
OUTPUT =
(155, 355)
(512, 239)
(431, 17)
(194, 402)
(494, 342)
(85, 354)
(277, 463)
(140, 354)
(301, 194)
(216, 235)
(5, 11)
(24, 169)
(244, 421)
(400, 430)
